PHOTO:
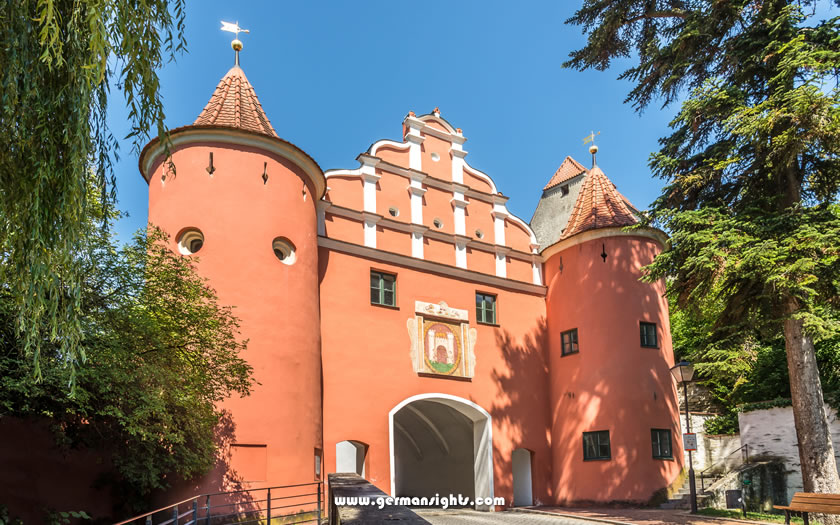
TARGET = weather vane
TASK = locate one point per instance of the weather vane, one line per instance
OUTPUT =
(593, 149)
(235, 29)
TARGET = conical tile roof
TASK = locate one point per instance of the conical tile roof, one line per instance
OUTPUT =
(599, 205)
(569, 169)
(234, 104)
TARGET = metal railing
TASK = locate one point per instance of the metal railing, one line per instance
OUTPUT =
(285, 504)
(745, 456)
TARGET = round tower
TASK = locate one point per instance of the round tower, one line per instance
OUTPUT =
(615, 431)
(242, 201)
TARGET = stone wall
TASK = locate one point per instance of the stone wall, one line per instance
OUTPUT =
(771, 433)
(712, 450)
(763, 483)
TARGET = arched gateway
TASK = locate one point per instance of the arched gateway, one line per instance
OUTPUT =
(441, 445)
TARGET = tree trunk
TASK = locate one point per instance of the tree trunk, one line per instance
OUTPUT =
(816, 452)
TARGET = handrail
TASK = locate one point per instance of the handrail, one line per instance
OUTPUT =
(172, 514)
(745, 447)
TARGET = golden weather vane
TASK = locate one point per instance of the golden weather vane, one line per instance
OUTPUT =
(593, 149)
(233, 27)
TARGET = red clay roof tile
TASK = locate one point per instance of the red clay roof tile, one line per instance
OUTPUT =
(234, 104)
(599, 205)
(569, 169)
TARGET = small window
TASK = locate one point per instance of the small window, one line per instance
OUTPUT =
(190, 241)
(479, 234)
(564, 189)
(648, 334)
(596, 445)
(394, 211)
(569, 340)
(383, 288)
(661, 441)
(438, 223)
(485, 308)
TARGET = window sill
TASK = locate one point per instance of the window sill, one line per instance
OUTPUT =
(597, 459)
(569, 354)
(388, 306)
(664, 458)
(497, 325)
(650, 346)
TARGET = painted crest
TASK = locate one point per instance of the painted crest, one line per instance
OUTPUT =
(442, 342)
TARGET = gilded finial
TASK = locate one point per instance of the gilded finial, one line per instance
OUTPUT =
(593, 149)
(236, 44)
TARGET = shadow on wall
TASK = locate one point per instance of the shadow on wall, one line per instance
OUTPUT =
(612, 383)
(521, 411)
(222, 478)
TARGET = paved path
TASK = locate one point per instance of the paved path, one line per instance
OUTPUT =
(562, 516)
(474, 517)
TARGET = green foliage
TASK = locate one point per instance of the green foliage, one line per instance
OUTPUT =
(723, 424)
(57, 60)
(161, 354)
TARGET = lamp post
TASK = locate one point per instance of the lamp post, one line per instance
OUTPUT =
(683, 372)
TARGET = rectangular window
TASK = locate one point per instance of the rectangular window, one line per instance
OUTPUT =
(570, 342)
(596, 445)
(383, 288)
(648, 334)
(661, 441)
(485, 308)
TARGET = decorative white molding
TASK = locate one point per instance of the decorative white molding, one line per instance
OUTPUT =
(369, 181)
(370, 220)
(501, 265)
(387, 142)
(430, 266)
(441, 309)
(460, 253)
(275, 145)
(536, 272)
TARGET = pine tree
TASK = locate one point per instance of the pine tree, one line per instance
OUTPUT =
(751, 170)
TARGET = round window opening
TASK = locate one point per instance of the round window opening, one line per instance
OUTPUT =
(284, 250)
(479, 234)
(394, 212)
(438, 223)
(190, 241)
(435, 157)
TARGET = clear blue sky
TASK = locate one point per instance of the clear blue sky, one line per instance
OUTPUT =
(335, 77)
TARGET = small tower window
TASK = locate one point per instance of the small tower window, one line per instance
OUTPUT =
(661, 442)
(438, 223)
(569, 340)
(284, 250)
(393, 211)
(596, 445)
(647, 332)
(190, 241)
(564, 189)
(479, 234)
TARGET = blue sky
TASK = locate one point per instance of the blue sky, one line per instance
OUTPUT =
(335, 77)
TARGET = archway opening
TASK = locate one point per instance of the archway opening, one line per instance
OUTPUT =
(522, 486)
(441, 445)
(350, 457)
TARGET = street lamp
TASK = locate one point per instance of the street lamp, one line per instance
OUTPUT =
(683, 372)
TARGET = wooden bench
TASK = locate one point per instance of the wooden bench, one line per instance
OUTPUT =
(805, 502)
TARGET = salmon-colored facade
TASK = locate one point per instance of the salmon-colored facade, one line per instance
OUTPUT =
(403, 324)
